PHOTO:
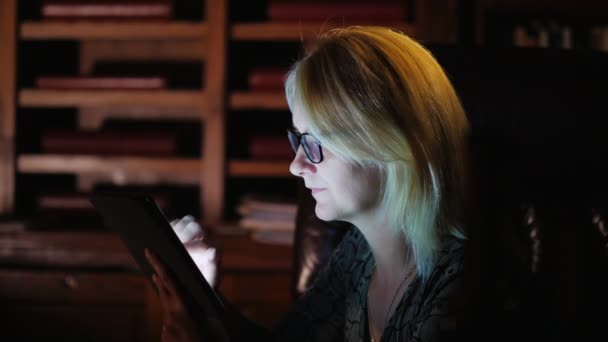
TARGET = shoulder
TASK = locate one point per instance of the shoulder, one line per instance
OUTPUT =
(441, 305)
(450, 260)
(449, 265)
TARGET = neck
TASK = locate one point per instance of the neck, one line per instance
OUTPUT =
(392, 254)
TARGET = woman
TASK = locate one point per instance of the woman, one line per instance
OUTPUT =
(380, 141)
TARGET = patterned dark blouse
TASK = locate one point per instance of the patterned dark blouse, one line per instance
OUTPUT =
(335, 307)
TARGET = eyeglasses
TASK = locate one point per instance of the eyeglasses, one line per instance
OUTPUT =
(311, 146)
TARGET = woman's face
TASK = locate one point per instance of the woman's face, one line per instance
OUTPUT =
(342, 191)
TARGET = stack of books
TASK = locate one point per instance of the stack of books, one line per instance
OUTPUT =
(110, 142)
(269, 219)
(346, 13)
(129, 75)
(106, 10)
(267, 79)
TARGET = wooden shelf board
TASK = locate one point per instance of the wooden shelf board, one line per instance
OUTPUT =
(288, 31)
(87, 164)
(83, 98)
(64, 248)
(41, 30)
(252, 168)
(258, 100)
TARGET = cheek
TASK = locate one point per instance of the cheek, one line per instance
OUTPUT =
(362, 195)
(364, 189)
(353, 192)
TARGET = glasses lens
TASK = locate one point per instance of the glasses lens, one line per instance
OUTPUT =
(293, 140)
(312, 148)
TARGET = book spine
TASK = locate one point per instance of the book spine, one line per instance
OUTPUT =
(313, 12)
(110, 143)
(254, 224)
(267, 79)
(273, 148)
(120, 83)
(162, 11)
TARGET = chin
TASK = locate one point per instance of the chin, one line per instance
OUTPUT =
(324, 213)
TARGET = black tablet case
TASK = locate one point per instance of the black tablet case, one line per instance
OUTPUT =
(141, 224)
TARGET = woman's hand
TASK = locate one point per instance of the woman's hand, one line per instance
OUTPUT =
(178, 324)
(191, 234)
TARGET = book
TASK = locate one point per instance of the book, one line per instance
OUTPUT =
(270, 148)
(267, 213)
(266, 225)
(267, 79)
(100, 82)
(179, 74)
(368, 12)
(110, 142)
(106, 10)
(250, 203)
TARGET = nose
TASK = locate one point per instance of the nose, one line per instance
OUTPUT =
(301, 165)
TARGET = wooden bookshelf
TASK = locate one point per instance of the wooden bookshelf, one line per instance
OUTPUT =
(83, 98)
(179, 40)
(241, 100)
(41, 30)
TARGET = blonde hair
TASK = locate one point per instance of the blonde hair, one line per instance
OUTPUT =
(376, 97)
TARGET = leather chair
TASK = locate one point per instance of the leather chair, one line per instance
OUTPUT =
(539, 255)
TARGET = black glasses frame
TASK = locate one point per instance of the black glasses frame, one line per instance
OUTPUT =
(297, 139)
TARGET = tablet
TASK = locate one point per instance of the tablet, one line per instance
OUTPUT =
(141, 224)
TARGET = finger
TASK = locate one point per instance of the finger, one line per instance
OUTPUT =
(166, 284)
(163, 280)
(157, 265)
(167, 334)
(181, 223)
(163, 292)
(186, 228)
(193, 229)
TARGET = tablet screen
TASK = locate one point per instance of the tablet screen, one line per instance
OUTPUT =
(141, 224)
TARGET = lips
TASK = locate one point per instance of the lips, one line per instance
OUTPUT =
(316, 190)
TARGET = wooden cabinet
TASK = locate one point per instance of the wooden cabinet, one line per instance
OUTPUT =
(73, 287)
(74, 306)
(85, 286)
(201, 41)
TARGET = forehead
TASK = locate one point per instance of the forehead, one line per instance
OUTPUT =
(299, 118)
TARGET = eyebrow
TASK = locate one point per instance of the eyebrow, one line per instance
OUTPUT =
(295, 129)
